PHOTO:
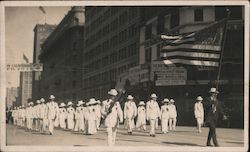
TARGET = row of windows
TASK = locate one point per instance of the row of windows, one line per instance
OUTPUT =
(110, 75)
(112, 42)
(112, 58)
(128, 14)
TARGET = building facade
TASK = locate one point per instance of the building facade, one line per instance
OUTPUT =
(62, 57)
(25, 91)
(41, 32)
(111, 47)
(190, 81)
(11, 97)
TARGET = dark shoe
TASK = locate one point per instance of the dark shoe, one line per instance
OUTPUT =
(153, 135)
(217, 145)
(209, 145)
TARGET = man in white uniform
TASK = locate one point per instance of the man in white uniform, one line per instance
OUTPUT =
(112, 112)
(98, 114)
(52, 113)
(153, 113)
(37, 115)
(70, 116)
(43, 116)
(172, 115)
(164, 116)
(130, 112)
(199, 112)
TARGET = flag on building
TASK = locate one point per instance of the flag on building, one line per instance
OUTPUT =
(200, 48)
(25, 58)
(42, 9)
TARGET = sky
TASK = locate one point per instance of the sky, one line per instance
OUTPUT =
(19, 36)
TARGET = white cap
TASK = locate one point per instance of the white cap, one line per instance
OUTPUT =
(130, 97)
(153, 95)
(42, 100)
(113, 92)
(199, 98)
(51, 97)
(31, 103)
(38, 101)
(98, 101)
(213, 90)
(70, 103)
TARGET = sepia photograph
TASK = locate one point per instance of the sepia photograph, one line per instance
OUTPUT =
(124, 76)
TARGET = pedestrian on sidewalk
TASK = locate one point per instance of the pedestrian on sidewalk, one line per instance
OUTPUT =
(213, 108)
(141, 116)
(199, 113)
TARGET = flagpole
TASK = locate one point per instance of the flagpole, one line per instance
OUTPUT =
(222, 50)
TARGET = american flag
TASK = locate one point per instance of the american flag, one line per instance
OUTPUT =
(200, 48)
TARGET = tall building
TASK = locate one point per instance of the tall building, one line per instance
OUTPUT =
(111, 47)
(11, 96)
(62, 57)
(25, 91)
(41, 32)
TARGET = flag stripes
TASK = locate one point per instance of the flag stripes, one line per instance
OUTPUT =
(199, 48)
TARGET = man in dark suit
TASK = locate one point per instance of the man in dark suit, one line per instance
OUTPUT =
(213, 109)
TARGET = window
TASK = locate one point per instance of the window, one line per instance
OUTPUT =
(198, 15)
(148, 55)
(160, 24)
(174, 20)
(148, 33)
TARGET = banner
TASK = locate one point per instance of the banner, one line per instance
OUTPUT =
(24, 67)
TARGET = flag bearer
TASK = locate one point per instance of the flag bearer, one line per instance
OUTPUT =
(141, 116)
(153, 113)
(164, 116)
(172, 115)
(112, 112)
(199, 112)
(130, 112)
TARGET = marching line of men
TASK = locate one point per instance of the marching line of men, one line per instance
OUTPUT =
(86, 117)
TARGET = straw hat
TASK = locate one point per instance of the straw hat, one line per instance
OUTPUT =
(199, 98)
(153, 95)
(165, 100)
(141, 103)
(213, 90)
(80, 103)
(69, 103)
(38, 101)
(130, 97)
(172, 100)
(42, 100)
(92, 101)
(62, 105)
(51, 97)
(98, 102)
(113, 92)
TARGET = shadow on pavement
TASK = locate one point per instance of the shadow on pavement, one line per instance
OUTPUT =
(144, 135)
(236, 142)
(40, 133)
(182, 144)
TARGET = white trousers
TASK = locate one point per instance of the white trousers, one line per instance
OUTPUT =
(29, 123)
(98, 122)
(51, 126)
(111, 135)
(164, 124)
(152, 126)
(172, 123)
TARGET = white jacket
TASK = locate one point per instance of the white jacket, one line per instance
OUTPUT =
(130, 110)
(153, 110)
(165, 111)
(52, 110)
(172, 111)
(198, 110)
(116, 115)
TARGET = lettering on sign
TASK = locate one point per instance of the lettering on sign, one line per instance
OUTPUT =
(24, 67)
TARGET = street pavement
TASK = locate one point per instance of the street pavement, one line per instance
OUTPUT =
(183, 136)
